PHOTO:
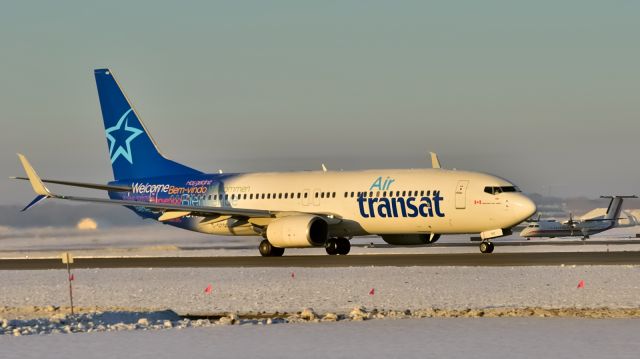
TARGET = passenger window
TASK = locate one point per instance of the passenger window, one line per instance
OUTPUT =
(298, 194)
(351, 194)
(370, 193)
(322, 195)
(404, 193)
(286, 195)
(421, 193)
(316, 194)
(244, 196)
(305, 195)
(333, 195)
(268, 195)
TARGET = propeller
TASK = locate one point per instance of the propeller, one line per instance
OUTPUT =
(571, 223)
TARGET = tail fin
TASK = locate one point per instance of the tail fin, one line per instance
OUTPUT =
(615, 207)
(132, 151)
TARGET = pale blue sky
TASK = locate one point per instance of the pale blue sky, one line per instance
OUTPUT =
(545, 93)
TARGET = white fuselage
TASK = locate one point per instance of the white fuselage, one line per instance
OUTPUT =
(552, 229)
(401, 201)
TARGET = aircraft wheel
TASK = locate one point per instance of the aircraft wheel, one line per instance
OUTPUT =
(331, 246)
(344, 246)
(486, 247)
(267, 250)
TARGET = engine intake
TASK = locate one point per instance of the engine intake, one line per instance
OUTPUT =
(409, 239)
(298, 231)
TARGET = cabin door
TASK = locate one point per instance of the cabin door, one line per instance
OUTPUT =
(461, 194)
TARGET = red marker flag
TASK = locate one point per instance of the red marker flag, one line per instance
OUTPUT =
(71, 277)
(581, 284)
(208, 289)
(372, 291)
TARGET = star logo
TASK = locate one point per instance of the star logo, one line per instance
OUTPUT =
(123, 134)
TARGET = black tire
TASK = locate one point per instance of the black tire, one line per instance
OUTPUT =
(277, 251)
(267, 250)
(331, 246)
(344, 246)
(486, 247)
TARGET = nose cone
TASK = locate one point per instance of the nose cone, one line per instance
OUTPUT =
(523, 208)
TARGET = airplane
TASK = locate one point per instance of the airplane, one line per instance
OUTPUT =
(583, 227)
(291, 209)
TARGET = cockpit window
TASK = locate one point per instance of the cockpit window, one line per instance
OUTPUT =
(510, 189)
(497, 190)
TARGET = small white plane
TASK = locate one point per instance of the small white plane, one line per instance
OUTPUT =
(583, 227)
(292, 209)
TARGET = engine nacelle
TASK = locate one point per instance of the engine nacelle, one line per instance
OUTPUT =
(298, 231)
(409, 239)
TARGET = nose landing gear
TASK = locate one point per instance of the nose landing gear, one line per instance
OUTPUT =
(486, 247)
(335, 246)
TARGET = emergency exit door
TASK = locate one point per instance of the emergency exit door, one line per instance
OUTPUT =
(461, 194)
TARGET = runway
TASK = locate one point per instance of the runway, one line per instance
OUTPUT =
(376, 260)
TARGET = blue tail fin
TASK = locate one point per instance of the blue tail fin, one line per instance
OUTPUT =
(132, 151)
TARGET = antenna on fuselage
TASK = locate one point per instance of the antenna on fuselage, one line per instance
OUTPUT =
(324, 168)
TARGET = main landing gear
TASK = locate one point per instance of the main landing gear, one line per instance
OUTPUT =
(267, 250)
(335, 246)
(486, 247)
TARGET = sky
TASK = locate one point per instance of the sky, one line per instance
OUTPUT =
(543, 93)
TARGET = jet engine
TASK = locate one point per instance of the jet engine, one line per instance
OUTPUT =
(410, 239)
(298, 231)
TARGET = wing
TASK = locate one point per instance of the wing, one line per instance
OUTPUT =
(170, 211)
(82, 184)
(258, 217)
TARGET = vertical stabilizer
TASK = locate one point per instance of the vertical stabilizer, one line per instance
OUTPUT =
(615, 207)
(132, 151)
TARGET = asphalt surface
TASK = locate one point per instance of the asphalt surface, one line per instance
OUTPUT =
(389, 260)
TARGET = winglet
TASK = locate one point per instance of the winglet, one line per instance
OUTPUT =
(435, 162)
(35, 201)
(36, 183)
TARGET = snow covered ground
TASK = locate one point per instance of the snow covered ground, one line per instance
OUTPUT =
(132, 295)
(408, 338)
(327, 289)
